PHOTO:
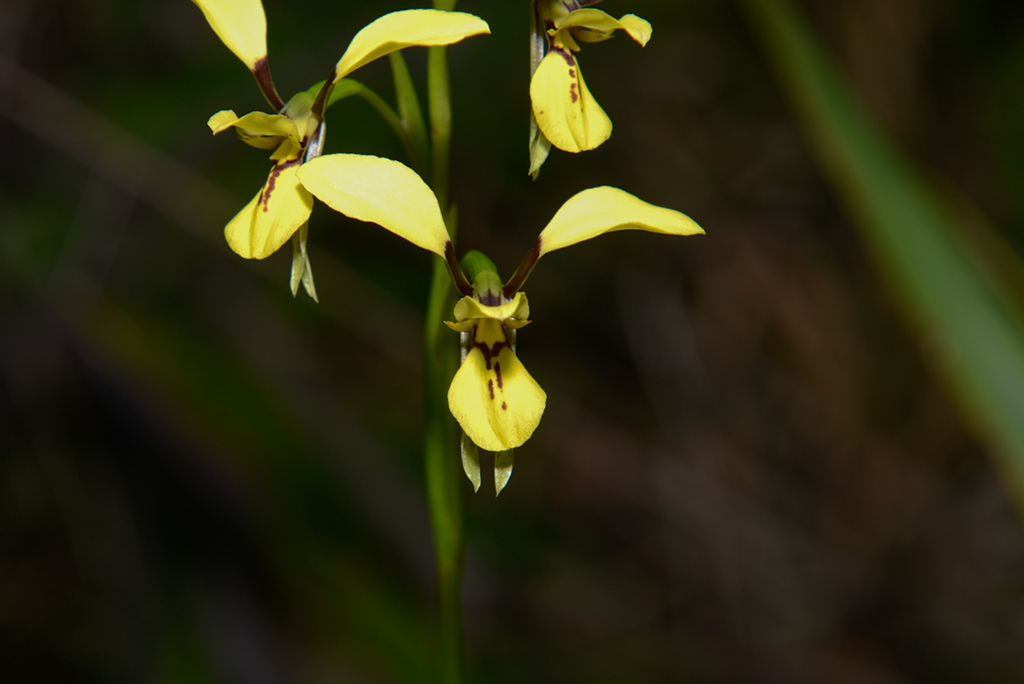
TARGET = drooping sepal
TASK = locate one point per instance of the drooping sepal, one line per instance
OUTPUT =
(470, 460)
(503, 461)
(302, 270)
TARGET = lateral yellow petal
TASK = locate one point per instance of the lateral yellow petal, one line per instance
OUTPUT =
(380, 191)
(603, 23)
(517, 308)
(567, 114)
(258, 129)
(496, 401)
(406, 28)
(273, 215)
(241, 25)
(595, 211)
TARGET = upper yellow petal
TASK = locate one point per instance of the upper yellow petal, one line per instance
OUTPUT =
(273, 215)
(406, 28)
(241, 25)
(495, 400)
(567, 114)
(605, 209)
(381, 191)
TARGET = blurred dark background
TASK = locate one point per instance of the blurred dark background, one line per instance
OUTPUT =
(747, 472)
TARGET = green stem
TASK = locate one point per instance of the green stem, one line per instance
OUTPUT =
(443, 477)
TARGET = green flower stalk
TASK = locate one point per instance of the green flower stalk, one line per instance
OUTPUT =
(564, 113)
(281, 208)
(493, 397)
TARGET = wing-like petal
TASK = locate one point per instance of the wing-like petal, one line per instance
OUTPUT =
(497, 402)
(273, 215)
(603, 23)
(261, 130)
(407, 28)
(380, 191)
(600, 210)
(567, 114)
(241, 25)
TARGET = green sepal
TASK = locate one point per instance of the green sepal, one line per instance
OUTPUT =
(470, 461)
(302, 270)
(502, 469)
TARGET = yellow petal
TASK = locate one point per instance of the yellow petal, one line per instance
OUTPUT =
(603, 23)
(273, 215)
(259, 129)
(496, 402)
(399, 30)
(517, 308)
(380, 191)
(567, 114)
(605, 209)
(241, 25)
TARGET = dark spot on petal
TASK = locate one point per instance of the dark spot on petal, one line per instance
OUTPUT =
(572, 73)
(573, 95)
(567, 56)
(497, 373)
(504, 406)
(490, 387)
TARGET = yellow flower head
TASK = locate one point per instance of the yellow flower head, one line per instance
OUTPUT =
(495, 400)
(296, 131)
(565, 114)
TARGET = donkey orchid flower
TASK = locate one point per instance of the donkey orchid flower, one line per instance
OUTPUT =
(565, 114)
(296, 131)
(495, 400)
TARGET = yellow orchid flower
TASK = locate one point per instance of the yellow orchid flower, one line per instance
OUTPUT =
(495, 400)
(564, 112)
(296, 132)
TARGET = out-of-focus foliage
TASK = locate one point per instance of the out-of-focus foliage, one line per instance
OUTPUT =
(748, 470)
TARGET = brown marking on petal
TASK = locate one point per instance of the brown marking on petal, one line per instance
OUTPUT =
(504, 406)
(573, 95)
(497, 373)
(490, 388)
(268, 188)
(567, 56)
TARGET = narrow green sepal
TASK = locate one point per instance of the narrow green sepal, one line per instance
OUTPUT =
(502, 470)
(471, 461)
(302, 270)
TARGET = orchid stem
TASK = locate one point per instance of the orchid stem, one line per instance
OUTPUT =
(443, 477)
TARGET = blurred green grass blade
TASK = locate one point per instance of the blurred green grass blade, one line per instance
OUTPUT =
(410, 112)
(916, 242)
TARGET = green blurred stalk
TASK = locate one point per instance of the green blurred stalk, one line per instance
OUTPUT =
(444, 493)
(953, 295)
